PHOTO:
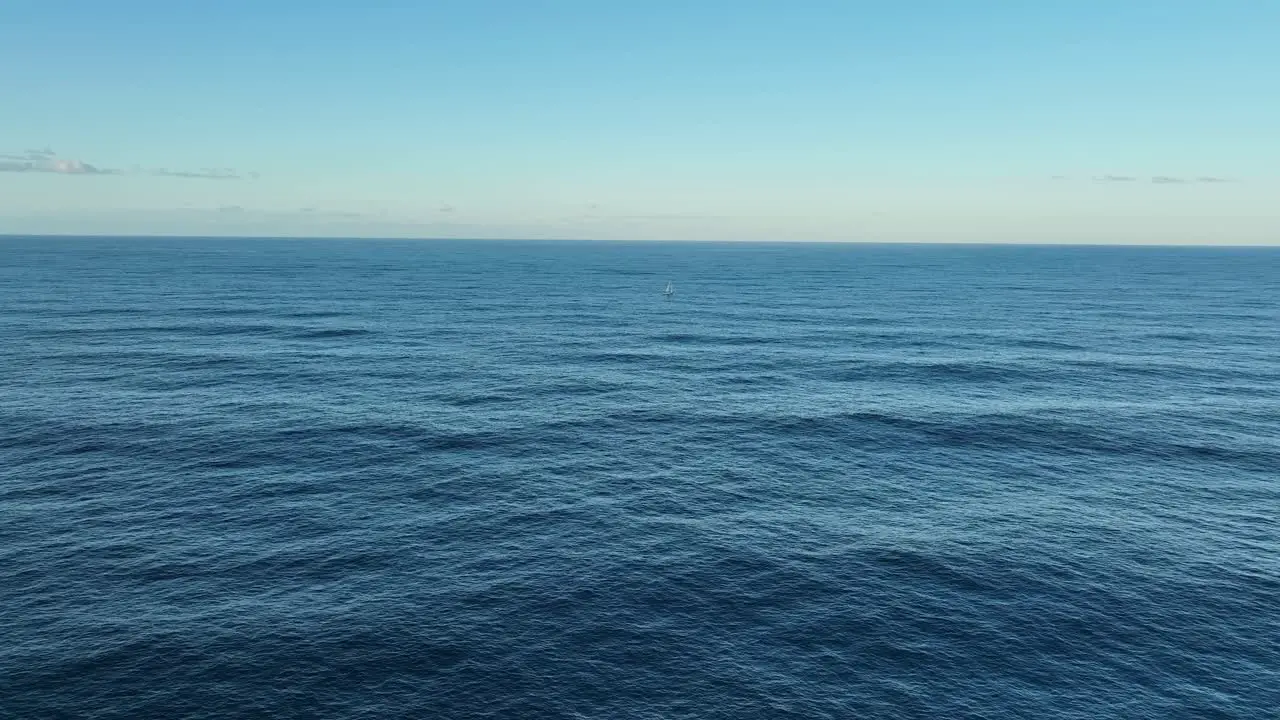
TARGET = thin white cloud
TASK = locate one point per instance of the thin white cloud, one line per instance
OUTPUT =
(47, 161)
(202, 174)
(1155, 179)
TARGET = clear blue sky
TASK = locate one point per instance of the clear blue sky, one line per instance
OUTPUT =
(978, 120)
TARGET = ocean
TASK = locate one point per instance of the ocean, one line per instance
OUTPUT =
(441, 479)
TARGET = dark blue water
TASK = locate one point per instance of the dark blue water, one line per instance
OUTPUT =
(352, 479)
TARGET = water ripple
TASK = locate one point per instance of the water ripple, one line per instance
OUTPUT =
(473, 480)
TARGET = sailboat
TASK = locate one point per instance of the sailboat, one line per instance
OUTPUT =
(668, 291)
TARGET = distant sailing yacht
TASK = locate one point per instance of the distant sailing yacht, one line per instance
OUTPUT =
(668, 291)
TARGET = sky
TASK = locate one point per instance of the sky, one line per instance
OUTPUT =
(1116, 121)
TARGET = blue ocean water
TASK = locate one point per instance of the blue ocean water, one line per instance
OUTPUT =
(375, 479)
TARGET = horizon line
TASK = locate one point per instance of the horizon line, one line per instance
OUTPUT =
(159, 236)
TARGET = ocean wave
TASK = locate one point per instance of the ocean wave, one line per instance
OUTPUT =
(345, 479)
